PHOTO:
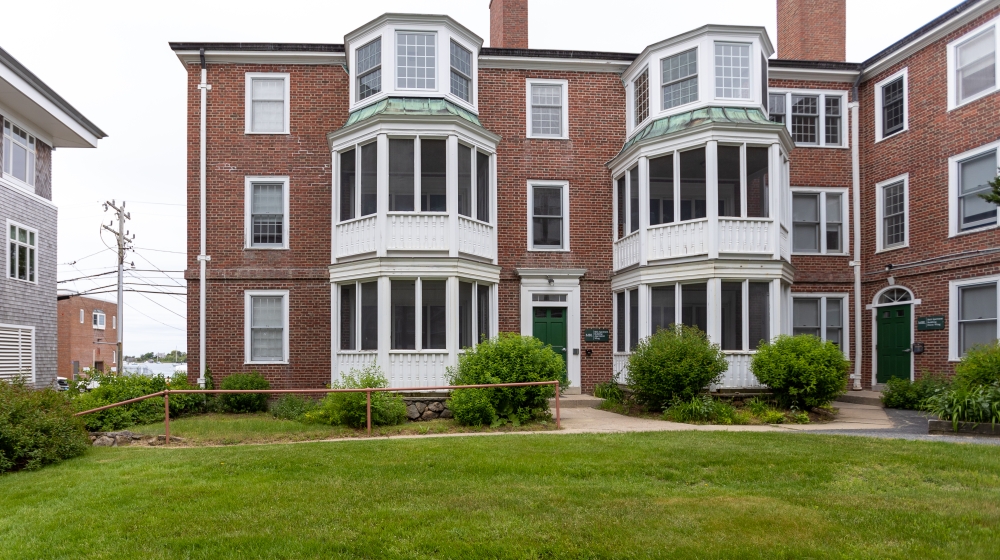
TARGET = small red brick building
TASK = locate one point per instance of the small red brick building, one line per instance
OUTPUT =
(88, 335)
(399, 196)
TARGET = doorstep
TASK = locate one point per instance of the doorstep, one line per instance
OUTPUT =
(873, 398)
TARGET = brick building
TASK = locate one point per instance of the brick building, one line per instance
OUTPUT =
(398, 196)
(88, 335)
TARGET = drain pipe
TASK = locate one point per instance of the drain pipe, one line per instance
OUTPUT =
(856, 212)
(202, 257)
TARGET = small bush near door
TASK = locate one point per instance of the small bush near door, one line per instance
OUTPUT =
(901, 393)
(801, 371)
(243, 403)
(37, 428)
(678, 362)
(508, 358)
(980, 366)
(351, 409)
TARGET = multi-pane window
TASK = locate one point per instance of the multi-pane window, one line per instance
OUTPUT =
(832, 121)
(805, 119)
(359, 316)
(267, 100)
(812, 118)
(21, 257)
(415, 60)
(975, 65)
(817, 222)
(461, 72)
(547, 217)
(893, 107)
(776, 107)
(546, 110)
(18, 153)
(977, 315)
(369, 69)
(893, 215)
(822, 317)
(732, 71)
(974, 176)
(640, 87)
(99, 319)
(267, 215)
(680, 78)
(267, 315)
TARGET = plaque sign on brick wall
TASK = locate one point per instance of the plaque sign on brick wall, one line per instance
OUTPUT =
(596, 335)
(931, 323)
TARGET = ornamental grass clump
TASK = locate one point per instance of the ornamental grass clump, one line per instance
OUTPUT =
(801, 371)
(351, 409)
(677, 362)
(507, 358)
(37, 427)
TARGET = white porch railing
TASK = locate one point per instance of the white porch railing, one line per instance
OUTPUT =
(627, 251)
(475, 238)
(354, 360)
(743, 235)
(738, 376)
(356, 237)
(410, 232)
(421, 369)
(671, 241)
(620, 366)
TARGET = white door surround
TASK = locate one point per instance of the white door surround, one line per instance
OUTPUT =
(556, 281)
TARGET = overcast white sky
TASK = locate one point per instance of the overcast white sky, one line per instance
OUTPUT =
(111, 61)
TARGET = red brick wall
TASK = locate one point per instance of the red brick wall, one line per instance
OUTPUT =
(319, 102)
(812, 29)
(509, 24)
(81, 342)
(596, 133)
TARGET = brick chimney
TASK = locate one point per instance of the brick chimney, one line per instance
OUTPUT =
(812, 30)
(509, 24)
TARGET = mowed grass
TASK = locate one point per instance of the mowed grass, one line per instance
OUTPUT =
(651, 495)
(230, 429)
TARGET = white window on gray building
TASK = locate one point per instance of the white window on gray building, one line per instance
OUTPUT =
(17, 353)
(21, 255)
(416, 55)
(18, 153)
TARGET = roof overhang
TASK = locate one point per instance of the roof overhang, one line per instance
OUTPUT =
(261, 53)
(412, 19)
(712, 29)
(806, 73)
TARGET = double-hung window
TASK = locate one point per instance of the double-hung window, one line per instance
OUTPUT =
(416, 60)
(548, 109)
(461, 72)
(18, 153)
(359, 316)
(732, 71)
(267, 212)
(266, 323)
(891, 109)
(973, 314)
(548, 215)
(813, 118)
(818, 221)
(640, 93)
(970, 175)
(21, 255)
(680, 79)
(267, 103)
(822, 316)
(369, 69)
(99, 319)
(972, 66)
(892, 209)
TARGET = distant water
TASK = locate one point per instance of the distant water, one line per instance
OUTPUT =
(166, 370)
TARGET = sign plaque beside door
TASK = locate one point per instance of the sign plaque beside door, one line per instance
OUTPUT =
(932, 323)
(596, 335)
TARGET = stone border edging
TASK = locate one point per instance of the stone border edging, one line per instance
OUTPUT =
(945, 427)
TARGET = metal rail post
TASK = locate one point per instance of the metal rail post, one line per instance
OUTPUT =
(166, 415)
(368, 395)
(558, 418)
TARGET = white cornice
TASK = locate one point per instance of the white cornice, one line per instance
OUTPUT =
(812, 75)
(407, 125)
(720, 30)
(263, 57)
(411, 19)
(703, 269)
(553, 64)
(411, 267)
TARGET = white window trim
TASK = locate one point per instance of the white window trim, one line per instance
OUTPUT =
(662, 84)
(953, 101)
(248, 99)
(633, 98)
(6, 249)
(564, 185)
(844, 222)
(248, 310)
(715, 71)
(954, 178)
(31, 343)
(953, 289)
(30, 187)
(880, 214)
(906, 104)
(355, 79)
(564, 84)
(845, 310)
(822, 94)
(249, 182)
(100, 325)
(437, 63)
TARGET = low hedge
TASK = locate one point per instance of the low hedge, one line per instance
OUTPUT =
(112, 388)
(37, 428)
(244, 403)
(802, 371)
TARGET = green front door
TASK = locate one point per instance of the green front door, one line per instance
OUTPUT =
(549, 326)
(893, 342)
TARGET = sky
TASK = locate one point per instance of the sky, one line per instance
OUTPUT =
(111, 61)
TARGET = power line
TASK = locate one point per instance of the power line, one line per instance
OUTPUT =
(163, 306)
(158, 203)
(157, 320)
(162, 251)
(87, 257)
(154, 266)
(153, 285)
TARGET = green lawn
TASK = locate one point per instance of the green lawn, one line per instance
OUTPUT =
(677, 495)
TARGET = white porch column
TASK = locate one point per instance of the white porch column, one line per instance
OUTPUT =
(451, 184)
(494, 187)
(714, 299)
(778, 307)
(381, 202)
(451, 315)
(644, 305)
(385, 326)
(712, 198)
(335, 207)
(643, 217)
(774, 180)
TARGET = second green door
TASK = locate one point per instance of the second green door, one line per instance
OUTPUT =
(549, 326)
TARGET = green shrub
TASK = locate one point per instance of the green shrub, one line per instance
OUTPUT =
(507, 358)
(702, 408)
(610, 391)
(244, 403)
(962, 403)
(473, 407)
(901, 393)
(980, 366)
(801, 371)
(771, 416)
(350, 409)
(37, 428)
(675, 363)
(114, 388)
(292, 407)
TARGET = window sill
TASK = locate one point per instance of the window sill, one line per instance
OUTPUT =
(533, 137)
(973, 99)
(357, 352)
(32, 282)
(893, 135)
(818, 254)
(285, 363)
(251, 133)
(894, 248)
(544, 250)
(266, 248)
(434, 351)
(976, 230)
(822, 146)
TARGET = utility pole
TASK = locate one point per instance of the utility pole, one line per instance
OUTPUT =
(123, 241)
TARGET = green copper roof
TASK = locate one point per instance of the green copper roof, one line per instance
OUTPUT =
(411, 106)
(699, 117)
